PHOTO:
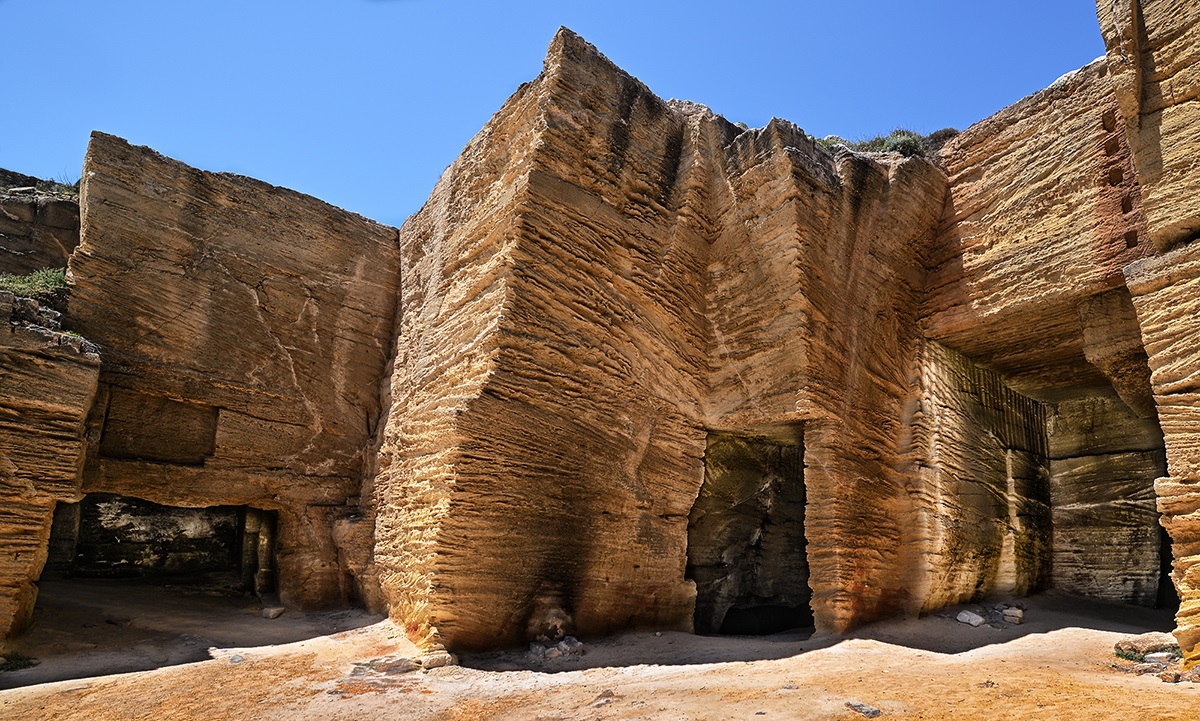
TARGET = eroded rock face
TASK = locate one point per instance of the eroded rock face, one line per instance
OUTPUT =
(1103, 463)
(1044, 212)
(621, 274)
(651, 368)
(37, 230)
(534, 471)
(1166, 292)
(587, 284)
(1151, 50)
(245, 328)
(981, 485)
(46, 388)
(628, 274)
(799, 233)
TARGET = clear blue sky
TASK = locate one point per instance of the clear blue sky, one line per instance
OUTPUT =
(363, 103)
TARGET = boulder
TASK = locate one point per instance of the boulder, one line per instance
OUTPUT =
(970, 618)
(1147, 643)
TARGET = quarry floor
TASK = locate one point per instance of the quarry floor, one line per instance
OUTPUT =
(1057, 665)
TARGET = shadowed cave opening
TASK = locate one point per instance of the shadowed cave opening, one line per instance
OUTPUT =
(1107, 541)
(131, 585)
(1168, 597)
(746, 543)
(1071, 412)
(220, 548)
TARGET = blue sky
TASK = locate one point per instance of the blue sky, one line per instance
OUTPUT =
(363, 103)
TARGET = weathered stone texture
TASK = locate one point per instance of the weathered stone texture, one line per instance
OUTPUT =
(529, 429)
(982, 485)
(37, 230)
(47, 383)
(244, 330)
(608, 270)
(1153, 49)
(1044, 212)
(800, 232)
(1166, 293)
(1104, 461)
(1112, 342)
(652, 368)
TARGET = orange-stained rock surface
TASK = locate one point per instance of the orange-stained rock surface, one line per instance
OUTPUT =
(1043, 213)
(1166, 292)
(586, 293)
(981, 485)
(1153, 49)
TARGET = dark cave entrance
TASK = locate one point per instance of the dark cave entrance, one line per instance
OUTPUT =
(1168, 597)
(131, 585)
(221, 548)
(746, 544)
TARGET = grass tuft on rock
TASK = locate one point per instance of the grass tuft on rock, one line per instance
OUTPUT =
(47, 286)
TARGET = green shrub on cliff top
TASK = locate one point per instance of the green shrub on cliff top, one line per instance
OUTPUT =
(904, 142)
(900, 140)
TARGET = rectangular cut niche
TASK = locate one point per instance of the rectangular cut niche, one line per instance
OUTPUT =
(746, 544)
(110, 536)
(1108, 543)
(144, 427)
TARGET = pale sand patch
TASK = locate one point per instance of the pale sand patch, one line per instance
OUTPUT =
(1065, 673)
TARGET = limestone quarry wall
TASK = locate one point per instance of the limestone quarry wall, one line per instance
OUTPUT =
(629, 276)
(37, 230)
(1106, 534)
(1153, 49)
(1166, 291)
(1041, 194)
(586, 295)
(1051, 194)
(982, 485)
(533, 409)
(47, 385)
(801, 233)
(535, 473)
(243, 329)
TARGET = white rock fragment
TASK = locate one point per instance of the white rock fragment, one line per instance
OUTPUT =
(970, 618)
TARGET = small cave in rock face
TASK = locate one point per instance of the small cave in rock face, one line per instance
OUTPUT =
(746, 544)
(111, 537)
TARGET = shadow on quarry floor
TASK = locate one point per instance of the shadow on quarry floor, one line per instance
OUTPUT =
(938, 632)
(94, 627)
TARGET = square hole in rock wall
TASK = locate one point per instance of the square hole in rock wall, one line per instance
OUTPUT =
(747, 550)
(153, 428)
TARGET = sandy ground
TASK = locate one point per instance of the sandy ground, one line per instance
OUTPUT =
(87, 628)
(1058, 665)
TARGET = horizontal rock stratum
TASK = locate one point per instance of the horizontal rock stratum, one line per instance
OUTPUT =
(633, 365)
